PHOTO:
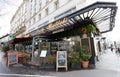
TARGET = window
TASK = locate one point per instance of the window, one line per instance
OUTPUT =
(34, 6)
(33, 20)
(40, 6)
(46, 11)
(34, 10)
(39, 16)
(56, 4)
(47, 1)
(29, 23)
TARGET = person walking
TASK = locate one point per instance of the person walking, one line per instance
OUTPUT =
(111, 47)
(118, 50)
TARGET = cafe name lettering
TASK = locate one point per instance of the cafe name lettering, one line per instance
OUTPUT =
(52, 26)
(57, 23)
(41, 30)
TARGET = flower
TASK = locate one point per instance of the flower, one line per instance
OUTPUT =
(84, 30)
(89, 28)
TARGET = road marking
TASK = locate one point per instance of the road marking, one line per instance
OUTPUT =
(24, 75)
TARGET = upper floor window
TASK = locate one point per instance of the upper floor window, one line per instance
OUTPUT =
(29, 23)
(34, 10)
(40, 6)
(33, 20)
(46, 1)
(39, 16)
(46, 11)
(56, 4)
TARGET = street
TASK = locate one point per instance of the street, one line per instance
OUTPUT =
(17, 70)
(108, 66)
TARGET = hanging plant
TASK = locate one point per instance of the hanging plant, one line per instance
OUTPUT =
(84, 30)
(91, 28)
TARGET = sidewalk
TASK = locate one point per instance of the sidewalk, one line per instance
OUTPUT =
(108, 66)
(109, 61)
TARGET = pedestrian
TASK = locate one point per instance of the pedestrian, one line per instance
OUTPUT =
(111, 47)
(36, 53)
(118, 50)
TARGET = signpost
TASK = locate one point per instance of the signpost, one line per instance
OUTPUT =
(12, 58)
(61, 60)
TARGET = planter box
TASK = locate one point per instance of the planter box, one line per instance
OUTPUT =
(76, 66)
(49, 66)
(69, 65)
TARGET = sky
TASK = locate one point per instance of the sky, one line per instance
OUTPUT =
(7, 10)
(9, 7)
(114, 34)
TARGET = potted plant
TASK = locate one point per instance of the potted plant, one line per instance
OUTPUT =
(5, 49)
(75, 60)
(49, 62)
(26, 58)
(85, 55)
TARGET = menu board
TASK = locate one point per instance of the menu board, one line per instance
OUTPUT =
(61, 61)
(85, 42)
(43, 53)
(12, 58)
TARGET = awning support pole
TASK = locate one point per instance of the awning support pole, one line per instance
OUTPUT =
(33, 46)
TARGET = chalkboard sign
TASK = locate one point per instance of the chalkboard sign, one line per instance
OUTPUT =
(61, 60)
(12, 58)
(85, 42)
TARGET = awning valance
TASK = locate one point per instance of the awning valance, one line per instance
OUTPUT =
(19, 40)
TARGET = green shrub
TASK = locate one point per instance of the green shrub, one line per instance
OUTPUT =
(49, 60)
(75, 58)
(85, 53)
(5, 49)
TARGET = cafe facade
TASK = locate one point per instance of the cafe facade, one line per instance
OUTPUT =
(72, 31)
(62, 30)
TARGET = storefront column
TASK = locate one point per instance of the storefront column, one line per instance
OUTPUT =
(33, 46)
(39, 50)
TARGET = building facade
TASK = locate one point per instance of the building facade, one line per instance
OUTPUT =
(62, 24)
(33, 14)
